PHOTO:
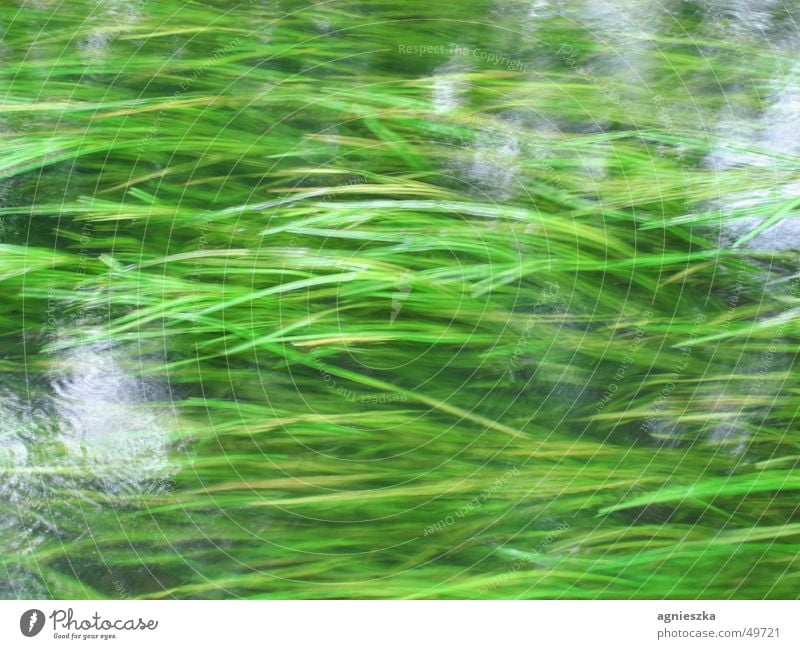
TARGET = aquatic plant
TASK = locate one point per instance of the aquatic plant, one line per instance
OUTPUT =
(393, 301)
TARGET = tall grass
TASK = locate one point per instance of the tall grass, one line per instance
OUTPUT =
(415, 325)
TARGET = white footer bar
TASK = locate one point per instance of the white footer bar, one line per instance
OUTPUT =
(402, 624)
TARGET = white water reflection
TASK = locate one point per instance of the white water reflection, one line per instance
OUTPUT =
(750, 19)
(625, 30)
(449, 88)
(92, 428)
(773, 133)
(18, 534)
(113, 18)
(495, 163)
(106, 423)
(490, 163)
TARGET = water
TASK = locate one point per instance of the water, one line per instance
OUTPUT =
(89, 425)
(103, 428)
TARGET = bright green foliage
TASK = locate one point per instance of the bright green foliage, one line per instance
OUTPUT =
(407, 324)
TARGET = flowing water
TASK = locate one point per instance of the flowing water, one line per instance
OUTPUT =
(110, 484)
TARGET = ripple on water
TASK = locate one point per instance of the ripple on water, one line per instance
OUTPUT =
(93, 427)
(106, 418)
(773, 133)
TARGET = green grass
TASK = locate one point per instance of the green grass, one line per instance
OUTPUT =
(382, 374)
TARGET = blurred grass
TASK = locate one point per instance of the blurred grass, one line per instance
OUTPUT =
(363, 338)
